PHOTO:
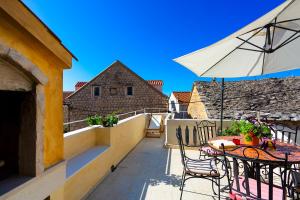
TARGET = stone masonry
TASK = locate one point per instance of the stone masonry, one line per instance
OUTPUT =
(113, 83)
(275, 98)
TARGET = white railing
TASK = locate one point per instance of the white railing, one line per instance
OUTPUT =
(180, 115)
(126, 115)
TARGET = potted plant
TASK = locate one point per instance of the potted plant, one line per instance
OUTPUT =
(93, 120)
(109, 120)
(253, 131)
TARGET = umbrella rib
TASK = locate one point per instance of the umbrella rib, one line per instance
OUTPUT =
(287, 42)
(250, 31)
(289, 20)
(264, 56)
(285, 9)
(231, 52)
(273, 33)
(276, 17)
(290, 39)
(250, 49)
(288, 29)
(250, 43)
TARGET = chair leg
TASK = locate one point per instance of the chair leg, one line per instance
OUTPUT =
(182, 180)
(212, 186)
(219, 188)
(182, 187)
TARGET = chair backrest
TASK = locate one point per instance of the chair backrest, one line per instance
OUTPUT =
(254, 162)
(206, 131)
(181, 145)
(284, 133)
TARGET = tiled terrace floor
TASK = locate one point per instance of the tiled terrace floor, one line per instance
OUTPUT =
(151, 172)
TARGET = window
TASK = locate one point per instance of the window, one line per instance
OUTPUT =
(96, 91)
(113, 91)
(129, 91)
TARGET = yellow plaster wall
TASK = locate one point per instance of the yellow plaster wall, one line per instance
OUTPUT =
(79, 141)
(196, 109)
(16, 37)
(119, 140)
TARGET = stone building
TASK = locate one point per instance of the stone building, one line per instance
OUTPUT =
(274, 98)
(116, 89)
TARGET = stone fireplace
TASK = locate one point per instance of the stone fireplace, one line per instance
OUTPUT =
(21, 124)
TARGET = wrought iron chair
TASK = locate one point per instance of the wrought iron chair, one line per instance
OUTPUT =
(288, 134)
(295, 184)
(249, 184)
(196, 168)
(207, 130)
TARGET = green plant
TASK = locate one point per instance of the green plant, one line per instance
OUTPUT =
(253, 128)
(233, 130)
(249, 129)
(109, 120)
(93, 120)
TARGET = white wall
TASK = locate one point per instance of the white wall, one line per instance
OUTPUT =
(172, 124)
(173, 103)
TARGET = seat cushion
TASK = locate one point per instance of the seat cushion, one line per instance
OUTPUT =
(277, 192)
(210, 151)
(205, 167)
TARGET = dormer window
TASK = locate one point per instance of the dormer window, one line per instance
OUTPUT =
(96, 91)
(129, 91)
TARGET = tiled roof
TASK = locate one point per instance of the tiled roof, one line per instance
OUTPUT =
(155, 82)
(183, 97)
(276, 98)
(66, 94)
(80, 84)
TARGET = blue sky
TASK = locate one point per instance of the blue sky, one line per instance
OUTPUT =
(144, 35)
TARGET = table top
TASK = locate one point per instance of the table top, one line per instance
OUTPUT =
(281, 149)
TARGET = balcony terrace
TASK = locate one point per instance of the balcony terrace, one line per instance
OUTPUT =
(120, 163)
(151, 172)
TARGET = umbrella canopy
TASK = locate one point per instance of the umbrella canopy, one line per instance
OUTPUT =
(268, 45)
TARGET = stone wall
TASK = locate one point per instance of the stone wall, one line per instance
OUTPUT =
(82, 103)
(196, 108)
(275, 98)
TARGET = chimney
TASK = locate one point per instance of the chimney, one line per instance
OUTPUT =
(157, 84)
(79, 84)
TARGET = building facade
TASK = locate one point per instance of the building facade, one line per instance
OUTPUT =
(32, 60)
(116, 89)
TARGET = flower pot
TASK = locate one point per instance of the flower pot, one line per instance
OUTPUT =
(253, 142)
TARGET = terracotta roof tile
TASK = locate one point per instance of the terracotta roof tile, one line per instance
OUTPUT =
(80, 84)
(183, 97)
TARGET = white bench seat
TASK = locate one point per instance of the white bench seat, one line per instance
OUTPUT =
(81, 160)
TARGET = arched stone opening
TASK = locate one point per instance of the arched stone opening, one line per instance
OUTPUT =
(21, 119)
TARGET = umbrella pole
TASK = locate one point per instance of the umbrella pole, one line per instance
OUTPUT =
(222, 102)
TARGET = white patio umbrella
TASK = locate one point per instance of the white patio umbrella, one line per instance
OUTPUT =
(268, 45)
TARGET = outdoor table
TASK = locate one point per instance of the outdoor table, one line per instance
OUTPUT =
(281, 149)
